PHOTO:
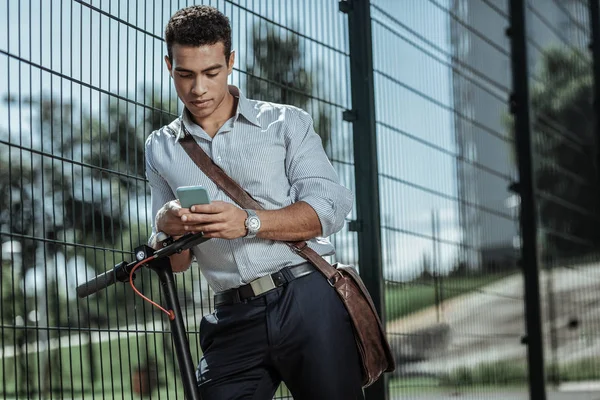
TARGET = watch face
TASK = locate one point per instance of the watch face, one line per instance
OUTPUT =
(253, 223)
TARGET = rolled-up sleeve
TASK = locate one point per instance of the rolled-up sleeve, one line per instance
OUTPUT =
(312, 177)
(160, 191)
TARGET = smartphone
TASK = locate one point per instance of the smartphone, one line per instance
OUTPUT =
(190, 195)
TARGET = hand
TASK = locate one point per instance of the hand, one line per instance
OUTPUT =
(168, 219)
(217, 220)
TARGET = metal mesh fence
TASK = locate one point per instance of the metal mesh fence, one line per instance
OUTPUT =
(449, 219)
(565, 176)
(83, 83)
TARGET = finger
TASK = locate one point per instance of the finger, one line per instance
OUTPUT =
(195, 218)
(179, 212)
(193, 227)
(174, 205)
(172, 230)
(175, 210)
(204, 209)
(214, 229)
(213, 208)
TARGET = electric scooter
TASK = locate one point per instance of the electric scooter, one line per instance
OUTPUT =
(158, 261)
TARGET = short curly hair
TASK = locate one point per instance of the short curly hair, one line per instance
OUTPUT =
(198, 26)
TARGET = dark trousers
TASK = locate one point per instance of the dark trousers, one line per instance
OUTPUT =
(300, 334)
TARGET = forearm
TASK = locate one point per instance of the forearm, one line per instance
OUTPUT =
(179, 261)
(225, 220)
(296, 222)
(163, 223)
(182, 261)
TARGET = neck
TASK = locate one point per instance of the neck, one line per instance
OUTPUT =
(225, 110)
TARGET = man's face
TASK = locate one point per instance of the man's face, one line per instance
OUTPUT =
(200, 77)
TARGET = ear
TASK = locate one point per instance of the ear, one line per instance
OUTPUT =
(169, 65)
(231, 62)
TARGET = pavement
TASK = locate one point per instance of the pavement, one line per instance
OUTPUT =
(500, 395)
(487, 325)
(586, 390)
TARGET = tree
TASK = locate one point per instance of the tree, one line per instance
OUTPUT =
(565, 148)
(78, 190)
(70, 177)
(277, 74)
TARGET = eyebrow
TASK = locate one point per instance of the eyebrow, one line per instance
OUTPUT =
(212, 67)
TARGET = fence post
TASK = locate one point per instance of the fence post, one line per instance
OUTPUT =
(594, 10)
(366, 173)
(519, 104)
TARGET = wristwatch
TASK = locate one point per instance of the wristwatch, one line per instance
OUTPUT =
(252, 224)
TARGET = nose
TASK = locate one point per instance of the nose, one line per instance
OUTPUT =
(199, 87)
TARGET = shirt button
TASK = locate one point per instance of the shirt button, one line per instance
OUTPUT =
(219, 158)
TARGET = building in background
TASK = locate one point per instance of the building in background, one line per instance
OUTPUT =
(486, 165)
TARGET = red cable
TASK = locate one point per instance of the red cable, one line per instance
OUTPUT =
(170, 313)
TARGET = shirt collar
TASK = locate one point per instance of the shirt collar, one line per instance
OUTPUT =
(244, 108)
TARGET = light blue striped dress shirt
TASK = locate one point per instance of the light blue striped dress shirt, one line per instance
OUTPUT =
(273, 152)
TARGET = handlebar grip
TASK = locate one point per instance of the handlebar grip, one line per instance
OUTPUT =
(100, 282)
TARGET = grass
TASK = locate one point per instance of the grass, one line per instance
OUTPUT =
(499, 373)
(586, 369)
(405, 298)
(402, 389)
(506, 375)
(511, 372)
(106, 368)
(109, 373)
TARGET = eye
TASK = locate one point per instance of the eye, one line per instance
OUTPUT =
(185, 75)
(212, 75)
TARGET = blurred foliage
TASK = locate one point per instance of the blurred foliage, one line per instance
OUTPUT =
(512, 372)
(504, 372)
(71, 203)
(565, 153)
(278, 74)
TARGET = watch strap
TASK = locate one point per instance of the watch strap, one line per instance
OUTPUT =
(251, 214)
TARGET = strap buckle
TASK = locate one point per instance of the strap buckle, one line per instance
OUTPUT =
(335, 278)
(262, 285)
(298, 250)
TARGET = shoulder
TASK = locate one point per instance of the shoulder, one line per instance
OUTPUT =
(165, 134)
(268, 112)
(160, 143)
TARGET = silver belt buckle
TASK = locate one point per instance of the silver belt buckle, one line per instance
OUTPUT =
(262, 285)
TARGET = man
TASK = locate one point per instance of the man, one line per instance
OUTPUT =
(299, 332)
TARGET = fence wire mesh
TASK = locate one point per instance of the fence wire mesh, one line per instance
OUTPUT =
(564, 151)
(446, 164)
(83, 83)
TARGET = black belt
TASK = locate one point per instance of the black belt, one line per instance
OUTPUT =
(263, 284)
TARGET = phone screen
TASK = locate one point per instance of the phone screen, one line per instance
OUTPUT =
(191, 195)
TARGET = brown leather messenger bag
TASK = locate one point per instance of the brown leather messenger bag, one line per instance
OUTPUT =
(374, 349)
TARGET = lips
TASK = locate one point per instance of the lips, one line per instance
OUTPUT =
(200, 103)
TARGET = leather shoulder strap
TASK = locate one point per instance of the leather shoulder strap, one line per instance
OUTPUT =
(244, 200)
(217, 175)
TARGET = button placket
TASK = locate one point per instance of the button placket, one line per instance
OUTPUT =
(215, 150)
